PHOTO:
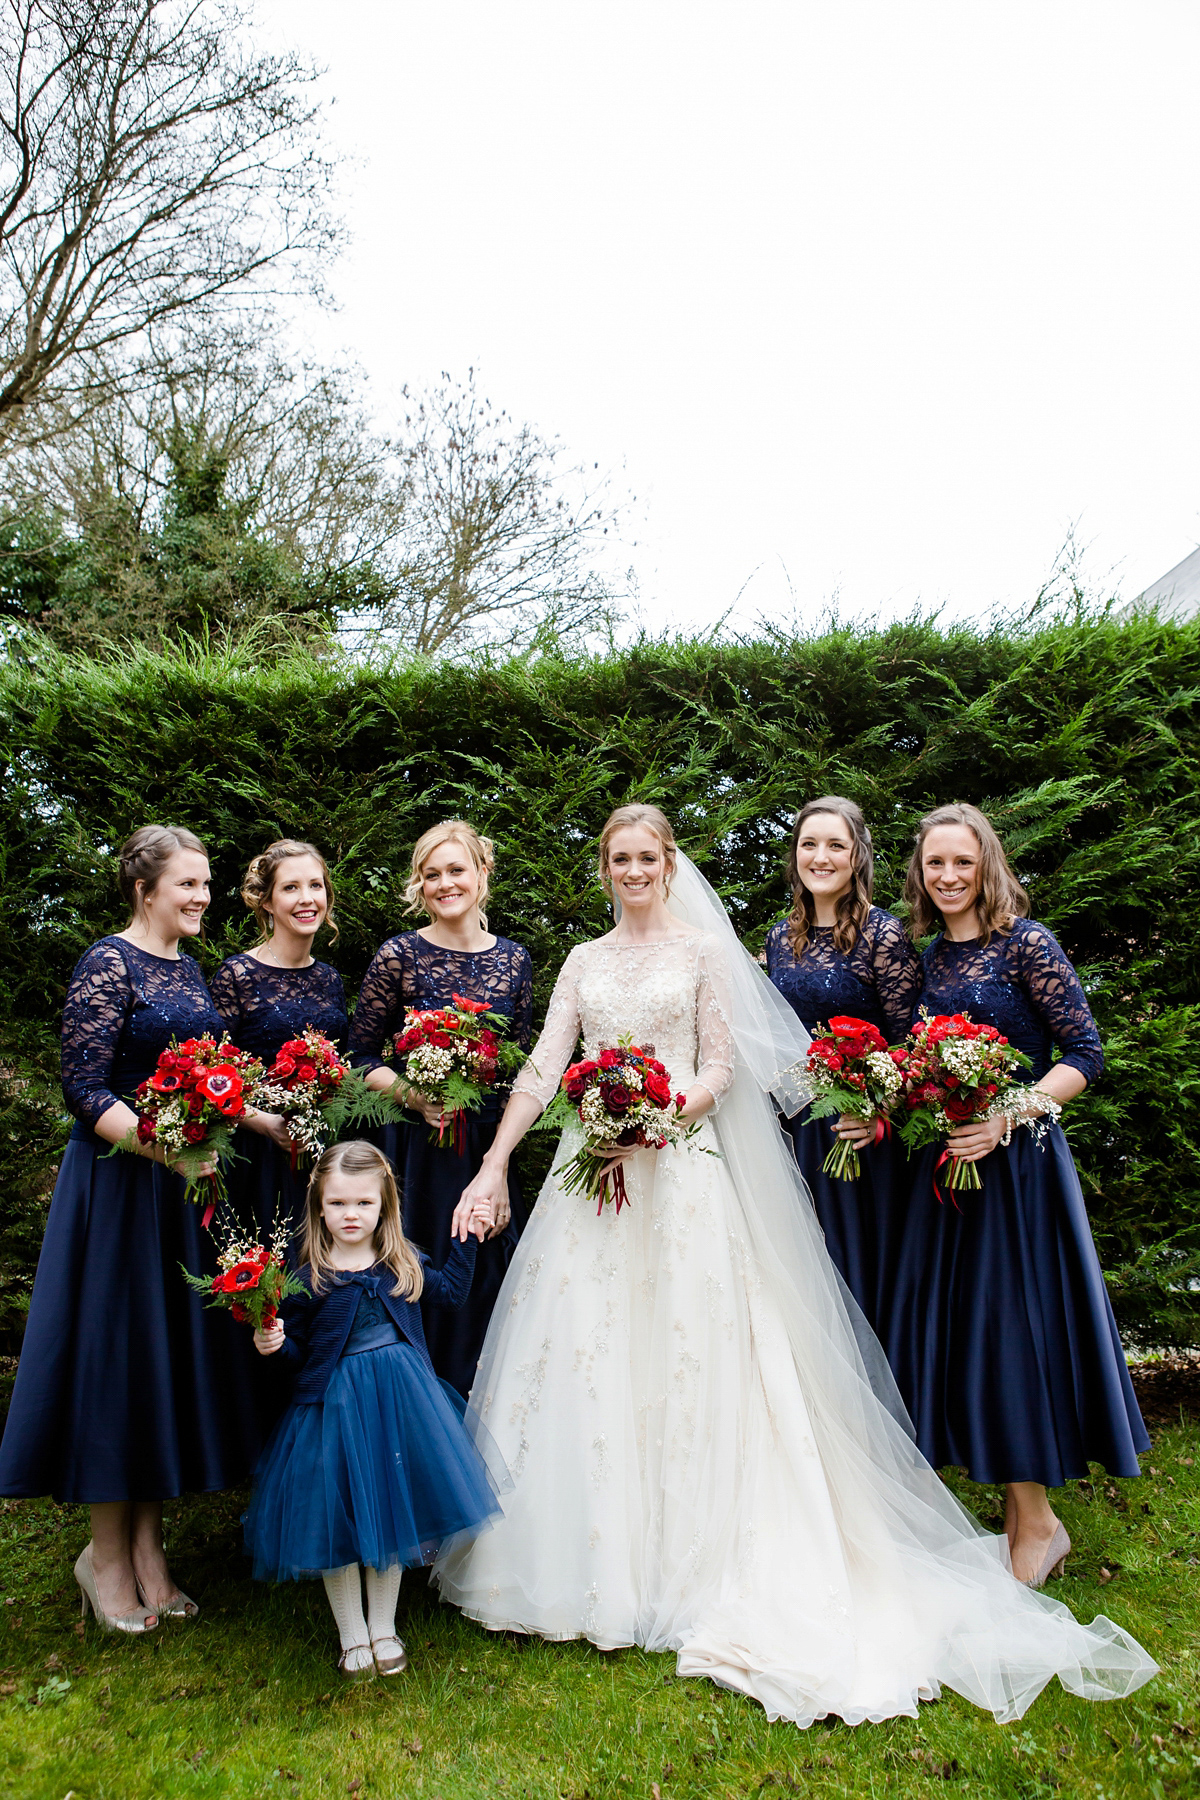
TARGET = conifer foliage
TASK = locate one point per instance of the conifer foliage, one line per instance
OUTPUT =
(1079, 738)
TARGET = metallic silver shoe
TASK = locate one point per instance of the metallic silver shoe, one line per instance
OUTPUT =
(134, 1622)
(391, 1658)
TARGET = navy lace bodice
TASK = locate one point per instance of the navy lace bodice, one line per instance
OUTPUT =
(410, 971)
(878, 980)
(263, 1006)
(1024, 985)
(123, 1007)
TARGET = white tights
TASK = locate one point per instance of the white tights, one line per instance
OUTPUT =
(357, 1633)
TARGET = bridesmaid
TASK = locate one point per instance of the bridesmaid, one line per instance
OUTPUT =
(999, 1327)
(454, 954)
(837, 953)
(129, 1390)
(269, 994)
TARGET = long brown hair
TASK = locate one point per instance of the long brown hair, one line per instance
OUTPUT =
(854, 906)
(357, 1157)
(259, 883)
(1001, 900)
(145, 855)
(655, 820)
(480, 849)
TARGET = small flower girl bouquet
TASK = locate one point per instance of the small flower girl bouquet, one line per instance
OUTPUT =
(955, 1071)
(319, 1095)
(192, 1105)
(853, 1072)
(252, 1281)
(455, 1056)
(622, 1099)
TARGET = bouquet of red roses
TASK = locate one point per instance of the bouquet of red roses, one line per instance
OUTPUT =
(622, 1098)
(251, 1281)
(192, 1104)
(319, 1094)
(455, 1056)
(853, 1072)
(955, 1071)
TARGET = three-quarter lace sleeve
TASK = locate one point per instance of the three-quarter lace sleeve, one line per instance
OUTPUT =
(899, 975)
(227, 997)
(379, 1014)
(1057, 996)
(714, 1011)
(97, 1006)
(552, 1053)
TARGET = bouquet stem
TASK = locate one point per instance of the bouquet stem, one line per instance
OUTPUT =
(842, 1162)
(960, 1175)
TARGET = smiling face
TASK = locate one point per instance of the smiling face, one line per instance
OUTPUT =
(299, 898)
(350, 1207)
(176, 904)
(450, 882)
(825, 855)
(951, 868)
(637, 867)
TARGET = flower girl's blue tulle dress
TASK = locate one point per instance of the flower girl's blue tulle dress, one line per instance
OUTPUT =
(379, 1468)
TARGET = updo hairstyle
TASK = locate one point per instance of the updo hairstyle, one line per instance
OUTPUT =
(1002, 899)
(480, 849)
(854, 906)
(145, 855)
(259, 883)
(653, 819)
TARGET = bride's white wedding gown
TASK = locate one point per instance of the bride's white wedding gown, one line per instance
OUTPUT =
(699, 1459)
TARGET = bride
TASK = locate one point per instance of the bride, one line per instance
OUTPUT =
(707, 1453)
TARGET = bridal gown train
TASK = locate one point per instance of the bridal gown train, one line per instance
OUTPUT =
(700, 1459)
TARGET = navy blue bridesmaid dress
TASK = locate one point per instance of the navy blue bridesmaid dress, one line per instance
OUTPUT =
(408, 971)
(262, 1006)
(999, 1329)
(128, 1387)
(879, 981)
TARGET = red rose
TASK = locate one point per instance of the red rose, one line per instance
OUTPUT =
(658, 1089)
(899, 1057)
(195, 1105)
(269, 1314)
(195, 1132)
(239, 1312)
(441, 1039)
(305, 1072)
(295, 1047)
(617, 1098)
(960, 1109)
(610, 1059)
(147, 1131)
(284, 1065)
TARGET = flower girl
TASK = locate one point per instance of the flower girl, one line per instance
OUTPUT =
(370, 1465)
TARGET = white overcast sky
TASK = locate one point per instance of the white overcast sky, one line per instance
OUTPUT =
(871, 297)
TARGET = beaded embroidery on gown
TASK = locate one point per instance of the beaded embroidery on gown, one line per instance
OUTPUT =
(699, 1459)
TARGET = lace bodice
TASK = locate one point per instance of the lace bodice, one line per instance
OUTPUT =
(672, 994)
(1024, 985)
(263, 1006)
(878, 980)
(410, 971)
(123, 1007)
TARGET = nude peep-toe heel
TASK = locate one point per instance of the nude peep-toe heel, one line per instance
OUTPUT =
(134, 1621)
(1056, 1555)
(181, 1607)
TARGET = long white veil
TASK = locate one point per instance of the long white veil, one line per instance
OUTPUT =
(997, 1642)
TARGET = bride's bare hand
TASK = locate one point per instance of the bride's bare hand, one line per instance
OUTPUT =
(480, 1203)
(501, 1215)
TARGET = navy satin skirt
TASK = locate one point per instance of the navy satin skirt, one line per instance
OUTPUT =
(431, 1186)
(998, 1325)
(128, 1387)
(858, 1217)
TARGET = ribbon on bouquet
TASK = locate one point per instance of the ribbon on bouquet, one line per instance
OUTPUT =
(617, 1176)
(953, 1161)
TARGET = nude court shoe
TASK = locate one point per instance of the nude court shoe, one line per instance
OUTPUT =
(1056, 1555)
(134, 1621)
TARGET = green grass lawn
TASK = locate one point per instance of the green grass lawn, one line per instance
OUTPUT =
(248, 1701)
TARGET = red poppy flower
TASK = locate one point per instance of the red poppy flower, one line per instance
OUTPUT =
(167, 1082)
(471, 1006)
(222, 1085)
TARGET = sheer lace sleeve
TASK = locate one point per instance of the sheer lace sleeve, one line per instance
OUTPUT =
(227, 997)
(381, 1002)
(522, 1025)
(714, 1012)
(899, 975)
(97, 1006)
(552, 1053)
(1057, 996)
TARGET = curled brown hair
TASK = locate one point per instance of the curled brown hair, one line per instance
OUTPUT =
(259, 883)
(480, 849)
(655, 820)
(1001, 896)
(145, 855)
(854, 906)
(357, 1157)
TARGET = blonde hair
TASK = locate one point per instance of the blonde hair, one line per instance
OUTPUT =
(259, 883)
(854, 906)
(480, 849)
(1002, 899)
(145, 855)
(357, 1157)
(655, 820)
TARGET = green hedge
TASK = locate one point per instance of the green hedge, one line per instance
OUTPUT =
(1079, 738)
